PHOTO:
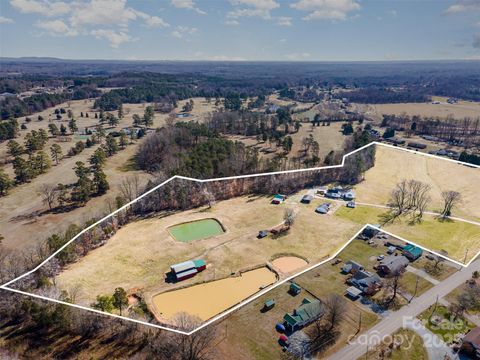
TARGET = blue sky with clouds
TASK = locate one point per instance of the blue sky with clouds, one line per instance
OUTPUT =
(311, 30)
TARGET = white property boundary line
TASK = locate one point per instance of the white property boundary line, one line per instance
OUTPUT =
(260, 293)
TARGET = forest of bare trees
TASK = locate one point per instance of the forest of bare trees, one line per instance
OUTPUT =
(466, 132)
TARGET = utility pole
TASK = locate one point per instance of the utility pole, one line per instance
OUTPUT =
(434, 309)
(466, 253)
(415, 292)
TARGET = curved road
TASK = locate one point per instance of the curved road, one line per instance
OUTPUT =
(397, 319)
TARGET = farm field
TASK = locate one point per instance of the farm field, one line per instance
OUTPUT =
(454, 237)
(392, 166)
(458, 111)
(330, 138)
(140, 253)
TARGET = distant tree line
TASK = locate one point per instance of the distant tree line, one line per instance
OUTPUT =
(384, 95)
(13, 107)
(464, 132)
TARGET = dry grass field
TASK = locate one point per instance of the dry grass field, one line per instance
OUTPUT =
(458, 111)
(23, 221)
(140, 253)
(297, 106)
(329, 138)
(392, 166)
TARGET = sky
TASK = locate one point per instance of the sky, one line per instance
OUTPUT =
(278, 30)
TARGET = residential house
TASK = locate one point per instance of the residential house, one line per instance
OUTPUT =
(471, 343)
(393, 265)
(308, 312)
(365, 281)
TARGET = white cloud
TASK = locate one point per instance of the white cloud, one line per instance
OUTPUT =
(392, 13)
(463, 6)
(42, 7)
(56, 27)
(5, 20)
(326, 9)
(298, 56)
(232, 22)
(115, 38)
(181, 32)
(104, 19)
(187, 4)
(284, 21)
(252, 8)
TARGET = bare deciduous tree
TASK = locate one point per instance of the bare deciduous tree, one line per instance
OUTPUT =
(451, 199)
(49, 195)
(393, 284)
(197, 346)
(289, 217)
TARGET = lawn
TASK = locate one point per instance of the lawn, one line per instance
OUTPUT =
(319, 282)
(454, 237)
(446, 326)
(408, 284)
(443, 270)
(412, 347)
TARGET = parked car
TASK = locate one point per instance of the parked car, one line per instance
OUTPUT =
(262, 234)
(380, 257)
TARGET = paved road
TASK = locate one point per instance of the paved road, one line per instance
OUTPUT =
(396, 320)
(436, 348)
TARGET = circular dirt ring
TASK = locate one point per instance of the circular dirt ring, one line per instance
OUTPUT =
(288, 264)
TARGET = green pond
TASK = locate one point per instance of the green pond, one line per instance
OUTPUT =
(196, 230)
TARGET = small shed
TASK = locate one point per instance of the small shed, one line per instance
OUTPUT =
(412, 252)
(323, 209)
(295, 289)
(269, 304)
(351, 266)
(306, 199)
(262, 234)
(353, 293)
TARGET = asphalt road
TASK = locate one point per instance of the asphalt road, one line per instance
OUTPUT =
(396, 320)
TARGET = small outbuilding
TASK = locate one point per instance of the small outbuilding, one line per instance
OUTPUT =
(269, 304)
(353, 293)
(412, 252)
(351, 267)
(262, 234)
(187, 269)
(323, 209)
(294, 289)
(307, 199)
